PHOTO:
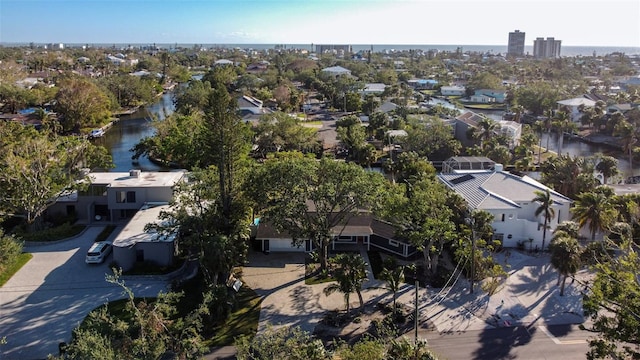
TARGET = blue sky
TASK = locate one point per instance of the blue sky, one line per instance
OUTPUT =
(445, 22)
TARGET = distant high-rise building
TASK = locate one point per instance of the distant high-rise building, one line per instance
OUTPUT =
(549, 48)
(516, 43)
(321, 49)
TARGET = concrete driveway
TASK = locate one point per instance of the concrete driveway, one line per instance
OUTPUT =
(279, 279)
(42, 303)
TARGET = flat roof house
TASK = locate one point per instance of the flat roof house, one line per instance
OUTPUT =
(134, 244)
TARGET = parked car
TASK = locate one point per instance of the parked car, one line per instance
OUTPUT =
(98, 252)
(96, 133)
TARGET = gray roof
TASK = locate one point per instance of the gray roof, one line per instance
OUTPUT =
(488, 190)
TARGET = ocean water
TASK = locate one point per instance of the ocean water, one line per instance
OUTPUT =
(492, 49)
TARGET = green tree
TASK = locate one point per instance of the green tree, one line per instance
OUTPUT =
(565, 257)
(308, 198)
(350, 273)
(607, 166)
(595, 210)
(629, 135)
(153, 330)
(393, 274)
(613, 303)
(562, 123)
(37, 168)
(280, 132)
(545, 200)
(81, 104)
(287, 343)
(226, 143)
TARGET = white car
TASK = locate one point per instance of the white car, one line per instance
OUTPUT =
(96, 133)
(98, 252)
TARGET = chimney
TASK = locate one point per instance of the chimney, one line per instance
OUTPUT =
(134, 173)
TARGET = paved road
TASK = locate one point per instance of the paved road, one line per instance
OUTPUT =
(51, 295)
(565, 342)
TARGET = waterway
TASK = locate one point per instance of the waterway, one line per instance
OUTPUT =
(127, 132)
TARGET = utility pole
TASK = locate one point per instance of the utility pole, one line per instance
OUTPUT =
(471, 222)
(473, 256)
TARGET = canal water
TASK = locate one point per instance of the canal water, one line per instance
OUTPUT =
(127, 132)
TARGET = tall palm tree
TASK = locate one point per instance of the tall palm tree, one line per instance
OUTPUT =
(486, 129)
(546, 209)
(563, 123)
(596, 210)
(628, 133)
(350, 274)
(565, 257)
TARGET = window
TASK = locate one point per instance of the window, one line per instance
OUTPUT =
(502, 217)
(125, 196)
(95, 190)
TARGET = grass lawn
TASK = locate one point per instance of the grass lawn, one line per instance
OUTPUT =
(314, 122)
(243, 321)
(13, 268)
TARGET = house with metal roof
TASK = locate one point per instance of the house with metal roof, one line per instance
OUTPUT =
(509, 198)
(336, 71)
(574, 106)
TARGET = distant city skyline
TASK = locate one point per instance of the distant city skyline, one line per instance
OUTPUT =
(437, 22)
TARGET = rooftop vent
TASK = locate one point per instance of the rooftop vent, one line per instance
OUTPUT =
(134, 173)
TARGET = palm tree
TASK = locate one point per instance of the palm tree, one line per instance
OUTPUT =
(608, 167)
(562, 124)
(565, 257)
(393, 274)
(486, 129)
(596, 210)
(350, 274)
(546, 209)
(628, 133)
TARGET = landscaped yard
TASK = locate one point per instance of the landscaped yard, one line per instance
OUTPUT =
(10, 270)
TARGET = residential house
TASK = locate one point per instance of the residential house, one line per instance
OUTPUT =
(137, 244)
(135, 198)
(422, 84)
(116, 196)
(509, 198)
(489, 96)
(363, 230)
(452, 90)
(623, 108)
(336, 71)
(373, 88)
(574, 106)
(223, 62)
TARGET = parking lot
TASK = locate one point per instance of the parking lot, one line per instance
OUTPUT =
(42, 303)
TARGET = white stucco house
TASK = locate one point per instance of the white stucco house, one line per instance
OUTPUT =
(133, 198)
(574, 104)
(509, 198)
(452, 90)
(134, 244)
